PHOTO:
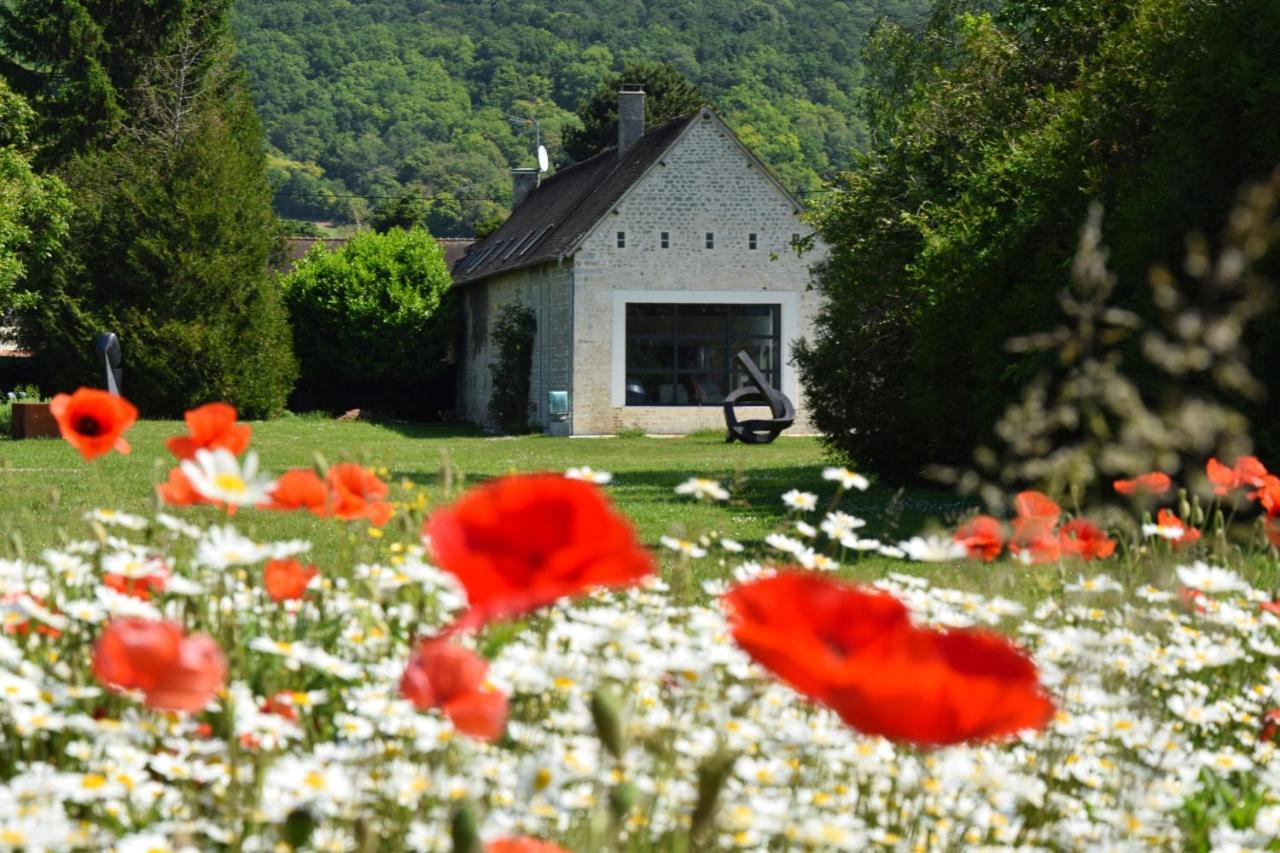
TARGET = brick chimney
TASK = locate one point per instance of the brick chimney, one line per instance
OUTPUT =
(630, 117)
(523, 182)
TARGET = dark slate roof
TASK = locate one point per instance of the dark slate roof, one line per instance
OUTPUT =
(560, 212)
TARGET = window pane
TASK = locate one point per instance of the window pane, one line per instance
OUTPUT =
(701, 355)
(646, 389)
(702, 388)
(649, 353)
(759, 351)
(703, 321)
(644, 318)
(753, 320)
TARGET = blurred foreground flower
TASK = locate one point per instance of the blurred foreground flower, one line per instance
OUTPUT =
(94, 421)
(520, 543)
(448, 677)
(175, 672)
(857, 652)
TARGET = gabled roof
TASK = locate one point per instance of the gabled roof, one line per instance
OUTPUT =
(555, 217)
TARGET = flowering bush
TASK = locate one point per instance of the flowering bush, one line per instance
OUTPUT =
(521, 678)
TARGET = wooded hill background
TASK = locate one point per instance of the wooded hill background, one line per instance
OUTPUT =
(363, 101)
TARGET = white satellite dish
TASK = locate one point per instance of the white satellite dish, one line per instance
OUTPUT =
(544, 162)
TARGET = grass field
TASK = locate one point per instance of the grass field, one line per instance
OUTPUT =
(45, 487)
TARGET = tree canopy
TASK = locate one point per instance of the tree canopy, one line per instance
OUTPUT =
(992, 133)
(364, 101)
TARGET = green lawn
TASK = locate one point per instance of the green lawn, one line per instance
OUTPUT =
(45, 487)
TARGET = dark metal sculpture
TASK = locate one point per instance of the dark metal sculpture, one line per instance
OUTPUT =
(757, 431)
(106, 347)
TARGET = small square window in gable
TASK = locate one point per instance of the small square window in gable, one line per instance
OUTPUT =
(711, 240)
(665, 240)
(752, 242)
(622, 239)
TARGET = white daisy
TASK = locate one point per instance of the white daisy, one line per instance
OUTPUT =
(683, 546)
(703, 489)
(1210, 579)
(218, 476)
(586, 472)
(933, 549)
(803, 501)
(846, 478)
(223, 546)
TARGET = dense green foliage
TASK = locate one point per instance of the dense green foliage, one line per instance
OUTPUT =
(371, 321)
(169, 249)
(991, 135)
(377, 97)
(668, 94)
(512, 370)
(33, 208)
(83, 64)
(141, 116)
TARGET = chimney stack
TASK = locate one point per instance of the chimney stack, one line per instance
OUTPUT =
(523, 182)
(630, 117)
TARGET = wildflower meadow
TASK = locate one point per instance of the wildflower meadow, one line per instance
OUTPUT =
(520, 674)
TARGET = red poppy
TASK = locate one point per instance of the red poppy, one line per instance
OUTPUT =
(983, 538)
(299, 488)
(356, 492)
(1084, 539)
(519, 543)
(1192, 599)
(1273, 530)
(174, 672)
(1155, 483)
(522, 844)
(446, 676)
(1270, 725)
(858, 653)
(135, 587)
(1268, 494)
(1034, 541)
(281, 706)
(286, 580)
(178, 491)
(94, 421)
(1167, 520)
(1248, 471)
(1037, 506)
(211, 427)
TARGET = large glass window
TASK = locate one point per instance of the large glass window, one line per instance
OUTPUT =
(684, 354)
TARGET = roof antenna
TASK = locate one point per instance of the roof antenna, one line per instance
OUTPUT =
(544, 160)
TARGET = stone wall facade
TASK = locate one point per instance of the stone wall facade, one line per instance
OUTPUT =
(705, 184)
(546, 289)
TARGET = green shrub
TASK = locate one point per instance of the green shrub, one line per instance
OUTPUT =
(513, 333)
(372, 322)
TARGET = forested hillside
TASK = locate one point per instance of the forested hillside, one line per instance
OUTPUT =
(363, 101)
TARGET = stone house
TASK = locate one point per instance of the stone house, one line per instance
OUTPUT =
(648, 267)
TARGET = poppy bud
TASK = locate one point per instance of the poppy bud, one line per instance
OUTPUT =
(463, 831)
(608, 720)
(297, 828)
(713, 773)
(622, 799)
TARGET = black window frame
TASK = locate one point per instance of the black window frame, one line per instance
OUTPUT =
(753, 241)
(622, 239)
(732, 341)
(711, 239)
(664, 240)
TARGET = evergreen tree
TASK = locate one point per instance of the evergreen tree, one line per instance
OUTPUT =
(668, 94)
(81, 63)
(173, 228)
